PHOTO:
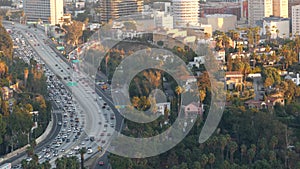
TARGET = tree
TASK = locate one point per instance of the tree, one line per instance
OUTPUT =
(196, 165)
(178, 91)
(251, 155)
(203, 160)
(26, 72)
(74, 32)
(202, 95)
(243, 151)
(233, 147)
(273, 142)
(211, 159)
(223, 143)
(82, 151)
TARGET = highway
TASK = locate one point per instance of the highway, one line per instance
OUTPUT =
(91, 116)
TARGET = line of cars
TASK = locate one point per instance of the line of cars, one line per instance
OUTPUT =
(71, 127)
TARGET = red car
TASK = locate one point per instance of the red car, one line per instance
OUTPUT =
(101, 163)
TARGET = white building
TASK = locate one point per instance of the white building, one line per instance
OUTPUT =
(277, 23)
(162, 6)
(162, 107)
(45, 10)
(221, 22)
(259, 9)
(293, 77)
(185, 12)
(296, 19)
(163, 20)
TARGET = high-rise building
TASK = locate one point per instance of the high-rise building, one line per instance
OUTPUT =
(114, 9)
(48, 11)
(292, 3)
(185, 12)
(280, 8)
(258, 9)
(296, 20)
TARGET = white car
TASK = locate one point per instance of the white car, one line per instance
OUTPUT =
(89, 151)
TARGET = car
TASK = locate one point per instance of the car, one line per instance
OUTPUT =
(103, 141)
(56, 65)
(89, 151)
(61, 70)
(102, 134)
(59, 123)
(92, 138)
(28, 159)
(101, 163)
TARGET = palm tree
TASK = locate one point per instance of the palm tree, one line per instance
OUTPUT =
(273, 142)
(223, 143)
(204, 160)
(243, 151)
(82, 151)
(272, 156)
(277, 33)
(211, 159)
(233, 147)
(251, 155)
(26, 75)
(268, 32)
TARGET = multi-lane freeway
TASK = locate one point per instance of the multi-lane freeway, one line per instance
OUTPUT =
(92, 118)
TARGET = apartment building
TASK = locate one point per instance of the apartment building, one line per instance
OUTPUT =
(296, 20)
(185, 12)
(114, 9)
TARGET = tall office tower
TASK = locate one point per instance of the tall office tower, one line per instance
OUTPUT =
(185, 12)
(258, 9)
(113, 9)
(280, 8)
(49, 11)
(296, 19)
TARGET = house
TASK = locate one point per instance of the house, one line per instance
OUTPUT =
(254, 75)
(220, 56)
(193, 108)
(239, 56)
(162, 107)
(233, 79)
(294, 77)
(7, 93)
(268, 104)
(197, 61)
(187, 81)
